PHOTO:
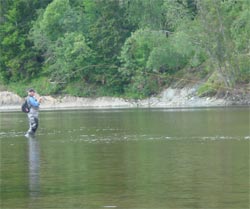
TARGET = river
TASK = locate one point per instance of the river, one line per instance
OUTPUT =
(127, 158)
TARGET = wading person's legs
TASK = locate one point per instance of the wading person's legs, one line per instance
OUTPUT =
(33, 125)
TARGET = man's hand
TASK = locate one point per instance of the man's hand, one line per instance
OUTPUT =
(40, 99)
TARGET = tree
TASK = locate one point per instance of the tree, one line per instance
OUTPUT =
(146, 13)
(134, 57)
(58, 34)
(215, 21)
(107, 31)
(240, 30)
(159, 49)
(117, 46)
(18, 60)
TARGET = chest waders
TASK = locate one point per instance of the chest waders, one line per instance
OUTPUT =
(33, 123)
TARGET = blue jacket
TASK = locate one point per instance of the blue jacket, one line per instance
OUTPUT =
(34, 107)
(33, 102)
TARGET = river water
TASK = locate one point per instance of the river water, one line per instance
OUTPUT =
(130, 159)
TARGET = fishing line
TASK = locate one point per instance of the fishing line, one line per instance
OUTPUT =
(215, 86)
(194, 81)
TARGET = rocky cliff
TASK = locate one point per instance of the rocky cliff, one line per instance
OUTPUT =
(169, 98)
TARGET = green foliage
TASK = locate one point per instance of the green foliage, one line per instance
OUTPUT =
(176, 13)
(137, 48)
(244, 68)
(78, 88)
(70, 53)
(223, 26)
(134, 57)
(207, 90)
(212, 85)
(152, 52)
(18, 59)
(146, 13)
(172, 54)
(41, 84)
(240, 27)
(111, 47)
(57, 34)
(107, 32)
(142, 86)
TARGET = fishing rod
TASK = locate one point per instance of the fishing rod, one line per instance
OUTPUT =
(194, 81)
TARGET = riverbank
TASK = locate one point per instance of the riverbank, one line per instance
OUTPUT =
(170, 98)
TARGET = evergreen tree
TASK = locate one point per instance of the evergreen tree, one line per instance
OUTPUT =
(117, 46)
(18, 60)
(108, 30)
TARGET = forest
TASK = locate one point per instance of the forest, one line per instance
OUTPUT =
(124, 48)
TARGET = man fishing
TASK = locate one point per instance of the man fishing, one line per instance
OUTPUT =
(34, 104)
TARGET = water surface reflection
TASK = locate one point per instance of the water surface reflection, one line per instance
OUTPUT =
(138, 159)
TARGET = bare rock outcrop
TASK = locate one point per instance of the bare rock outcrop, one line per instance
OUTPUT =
(9, 98)
(169, 98)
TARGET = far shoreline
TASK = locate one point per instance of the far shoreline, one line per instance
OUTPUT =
(171, 98)
(6, 109)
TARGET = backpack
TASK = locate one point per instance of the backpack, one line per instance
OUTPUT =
(25, 107)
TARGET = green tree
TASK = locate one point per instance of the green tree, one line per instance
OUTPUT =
(215, 20)
(146, 13)
(240, 30)
(18, 60)
(117, 46)
(134, 57)
(58, 34)
(161, 48)
(108, 29)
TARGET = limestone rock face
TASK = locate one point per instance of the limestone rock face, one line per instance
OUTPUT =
(9, 98)
(168, 98)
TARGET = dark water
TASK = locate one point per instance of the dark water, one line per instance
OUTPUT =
(136, 159)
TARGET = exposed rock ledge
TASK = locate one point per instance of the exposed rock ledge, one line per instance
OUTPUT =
(169, 98)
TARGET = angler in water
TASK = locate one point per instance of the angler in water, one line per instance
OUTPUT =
(33, 104)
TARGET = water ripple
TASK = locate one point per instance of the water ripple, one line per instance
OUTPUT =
(73, 136)
(10, 134)
(129, 138)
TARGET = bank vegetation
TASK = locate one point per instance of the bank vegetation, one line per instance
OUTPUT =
(124, 48)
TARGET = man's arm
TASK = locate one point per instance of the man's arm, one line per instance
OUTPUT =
(33, 102)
